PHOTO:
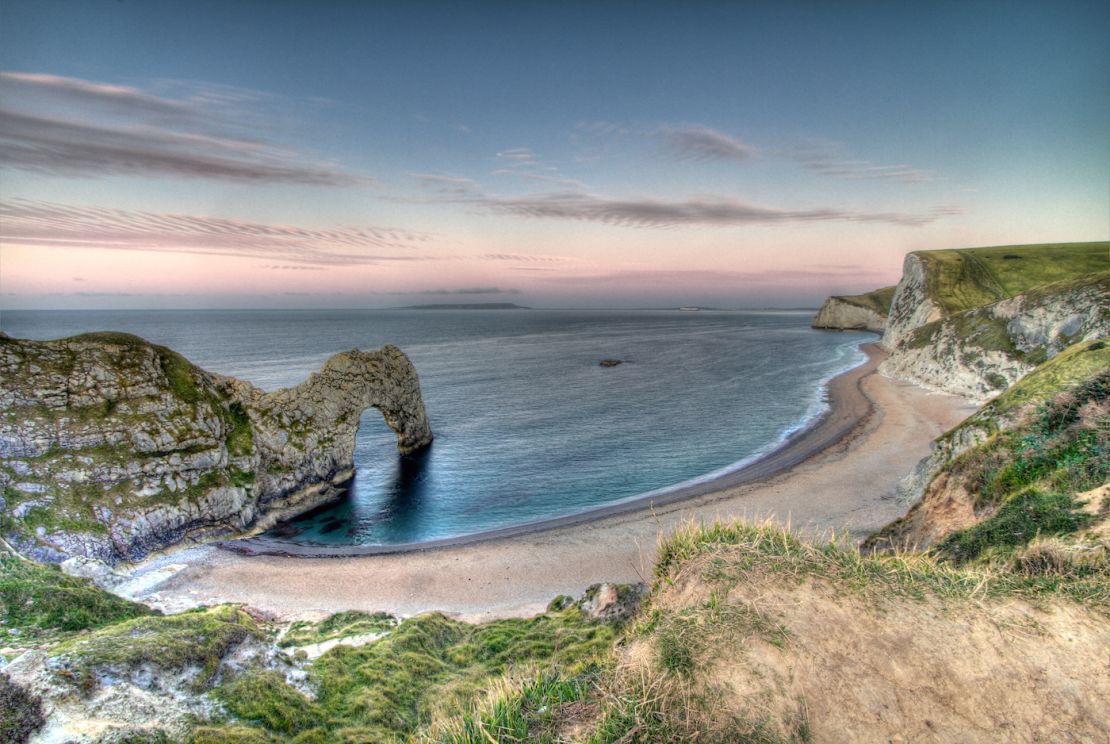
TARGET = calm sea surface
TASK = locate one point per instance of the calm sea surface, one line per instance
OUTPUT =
(527, 425)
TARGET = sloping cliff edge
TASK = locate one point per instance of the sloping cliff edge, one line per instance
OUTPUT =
(974, 321)
(866, 312)
(112, 447)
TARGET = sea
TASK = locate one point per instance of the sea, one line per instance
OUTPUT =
(528, 425)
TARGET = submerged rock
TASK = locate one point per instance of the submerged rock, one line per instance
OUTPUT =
(112, 447)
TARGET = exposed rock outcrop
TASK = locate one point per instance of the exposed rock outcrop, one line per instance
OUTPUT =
(111, 447)
(982, 351)
(867, 312)
(912, 305)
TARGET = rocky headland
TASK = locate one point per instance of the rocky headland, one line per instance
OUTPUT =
(974, 321)
(112, 447)
(865, 312)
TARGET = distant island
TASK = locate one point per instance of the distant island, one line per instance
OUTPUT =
(467, 306)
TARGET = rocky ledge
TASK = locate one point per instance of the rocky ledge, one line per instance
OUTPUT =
(112, 447)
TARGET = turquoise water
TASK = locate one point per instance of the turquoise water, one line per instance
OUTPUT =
(527, 424)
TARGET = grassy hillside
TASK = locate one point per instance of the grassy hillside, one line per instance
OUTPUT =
(877, 301)
(970, 277)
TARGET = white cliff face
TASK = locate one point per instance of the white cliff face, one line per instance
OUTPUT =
(838, 314)
(911, 307)
(980, 352)
(111, 447)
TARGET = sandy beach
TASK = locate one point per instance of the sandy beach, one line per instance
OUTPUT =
(840, 474)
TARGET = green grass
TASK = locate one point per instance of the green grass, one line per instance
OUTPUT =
(388, 689)
(877, 301)
(738, 550)
(1027, 515)
(963, 279)
(1024, 480)
(1067, 369)
(529, 710)
(197, 639)
(240, 436)
(339, 625)
(37, 597)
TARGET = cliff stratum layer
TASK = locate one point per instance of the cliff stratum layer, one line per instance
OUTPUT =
(865, 312)
(974, 321)
(111, 447)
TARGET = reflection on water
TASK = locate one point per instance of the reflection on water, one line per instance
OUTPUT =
(397, 505)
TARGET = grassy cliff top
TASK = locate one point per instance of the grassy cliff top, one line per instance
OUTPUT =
(877, 301)
(970, 277)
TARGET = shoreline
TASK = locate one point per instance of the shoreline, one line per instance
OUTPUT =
(847, 484)
(847, 408)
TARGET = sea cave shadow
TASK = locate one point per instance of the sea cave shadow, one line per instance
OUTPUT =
(407, 486)
(399, 508)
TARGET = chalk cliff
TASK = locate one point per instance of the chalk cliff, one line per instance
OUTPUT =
(866, 312)
(111, 447)
(980, 352)
(974, 321)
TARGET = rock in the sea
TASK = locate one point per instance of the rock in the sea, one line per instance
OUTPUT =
(112, 447)
(610, 362)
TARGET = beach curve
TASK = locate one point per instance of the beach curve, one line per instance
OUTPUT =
(838, 474)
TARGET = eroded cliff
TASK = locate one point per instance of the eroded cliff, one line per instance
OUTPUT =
(866, 312)
(974, 321)
(111, 447)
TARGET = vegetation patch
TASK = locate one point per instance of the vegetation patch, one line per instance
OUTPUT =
(197, 639)
(36, 597)
(963, 279)
(20, 712)
(878, 301)
(1030, 514)
(339, 625)
(393, 687)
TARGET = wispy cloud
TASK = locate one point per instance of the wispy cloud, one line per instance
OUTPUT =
(828, 161)
(36, 223)
(517, 156)
(644, 212)
(73, 127)
(446, 184)
(700, 144)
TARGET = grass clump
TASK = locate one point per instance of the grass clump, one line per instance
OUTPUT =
(339, 625)
(43, 598)
(534, 709)
(264, 698)
(393, 687)
(1019, 520)
(20, 712)
(193, 640)
(740, 550)
(240, 434)
(1024, 480)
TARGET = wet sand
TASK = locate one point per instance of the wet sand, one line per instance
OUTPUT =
(840, 474)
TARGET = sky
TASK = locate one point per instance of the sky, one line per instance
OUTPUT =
(564, 154)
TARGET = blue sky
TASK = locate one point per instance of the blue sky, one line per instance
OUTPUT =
(565, 154)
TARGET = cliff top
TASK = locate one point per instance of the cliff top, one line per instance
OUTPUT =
(966, 278)
(877, 301)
